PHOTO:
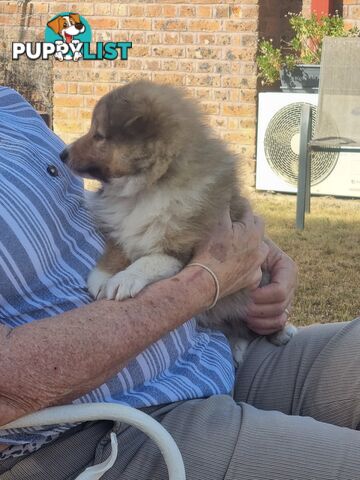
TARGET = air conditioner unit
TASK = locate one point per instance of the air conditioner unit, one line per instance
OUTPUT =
(332, 173)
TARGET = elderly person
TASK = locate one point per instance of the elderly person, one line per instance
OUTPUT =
(57, 347)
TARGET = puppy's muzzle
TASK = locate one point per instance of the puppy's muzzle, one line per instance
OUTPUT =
(64, 155)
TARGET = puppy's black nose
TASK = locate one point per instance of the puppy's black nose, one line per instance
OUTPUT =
(64, 155)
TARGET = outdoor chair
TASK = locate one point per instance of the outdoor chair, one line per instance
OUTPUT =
(337, 123)
(116, 413)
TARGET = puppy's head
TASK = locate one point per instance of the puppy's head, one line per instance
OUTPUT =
(138, 130)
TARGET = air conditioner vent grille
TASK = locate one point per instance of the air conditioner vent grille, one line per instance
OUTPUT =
(281, 144)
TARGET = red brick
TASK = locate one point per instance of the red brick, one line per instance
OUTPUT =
(67, 101)
(164, 51)
(139, 51)
(153, 38)
(171, 38)
(222, 12)
(240, 137)
(173, 79)
(205, 25)
(241, 110)
(85, 88)
(186, 65)
(100, 90)
(245, 54)
(241, 26)
(136, 24)
(170, 25)
(60, 87)
(169, 65)
(152, 64)
(187, 11)
(136, 11)
(204, 52)
(169, 11)
(72, 88)
(204, 12)
(187, 38)
(7, 7)
(210, 108)
(103, 22)
(201, 80)
(119, 10)
(221, 94)
(206, 39)
(102, 8)
(153, 11)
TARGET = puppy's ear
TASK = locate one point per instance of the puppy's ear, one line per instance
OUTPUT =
(75, 17)
(56, 24)
(142, 124)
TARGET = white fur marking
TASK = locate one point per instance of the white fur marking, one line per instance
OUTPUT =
(283, 337)
(238, 350)
(96, 283)
(139, 274)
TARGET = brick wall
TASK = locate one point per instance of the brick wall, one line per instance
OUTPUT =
(205, 46)
(351, 11)
(25, 23)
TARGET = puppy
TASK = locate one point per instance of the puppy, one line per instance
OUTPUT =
(165, 179)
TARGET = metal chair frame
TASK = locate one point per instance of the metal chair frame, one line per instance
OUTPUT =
(307, 145)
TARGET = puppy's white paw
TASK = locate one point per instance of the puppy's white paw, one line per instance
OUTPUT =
(124, 285)
(238, 351)
(96, 283)
(282, 337)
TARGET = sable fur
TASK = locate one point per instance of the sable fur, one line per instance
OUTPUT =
(166, 180)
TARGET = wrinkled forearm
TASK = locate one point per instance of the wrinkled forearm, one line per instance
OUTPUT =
(55, 360)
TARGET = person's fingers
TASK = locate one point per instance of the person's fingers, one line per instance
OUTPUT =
(268, 326)
(256, 274)
(273, 293)
(267, 310)
(255, 279)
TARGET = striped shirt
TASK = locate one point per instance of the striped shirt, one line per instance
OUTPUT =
(48, 245)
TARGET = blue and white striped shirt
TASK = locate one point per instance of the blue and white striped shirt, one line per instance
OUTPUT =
(48, 245)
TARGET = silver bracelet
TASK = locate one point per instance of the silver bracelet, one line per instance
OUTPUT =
(214, 278)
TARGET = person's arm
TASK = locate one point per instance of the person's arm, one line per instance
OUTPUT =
(55, 360)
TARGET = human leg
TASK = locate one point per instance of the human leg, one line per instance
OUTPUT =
(219, 440)
(316, 374)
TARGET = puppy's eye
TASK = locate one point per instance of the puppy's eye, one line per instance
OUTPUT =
(98, 136)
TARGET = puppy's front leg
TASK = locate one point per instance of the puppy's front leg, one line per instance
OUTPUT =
(112, 261)
(142, 272)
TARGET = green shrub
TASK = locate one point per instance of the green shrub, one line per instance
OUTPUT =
(303, 48)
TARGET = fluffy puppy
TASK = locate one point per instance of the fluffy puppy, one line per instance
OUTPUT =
(165, 179)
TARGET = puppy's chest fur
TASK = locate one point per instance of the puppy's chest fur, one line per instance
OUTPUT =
(149, 222)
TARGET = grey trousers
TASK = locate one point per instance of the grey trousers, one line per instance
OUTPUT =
(294, 415)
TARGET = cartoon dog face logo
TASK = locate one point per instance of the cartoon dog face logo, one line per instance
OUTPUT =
(67, 27)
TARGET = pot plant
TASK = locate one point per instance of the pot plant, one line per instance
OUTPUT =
(297, 63)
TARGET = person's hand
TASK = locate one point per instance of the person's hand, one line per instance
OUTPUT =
(235, 253)
(270, 305)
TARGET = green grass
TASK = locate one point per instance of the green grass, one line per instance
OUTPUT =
(327, 253)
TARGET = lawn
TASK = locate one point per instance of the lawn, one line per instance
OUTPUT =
(327, 253)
